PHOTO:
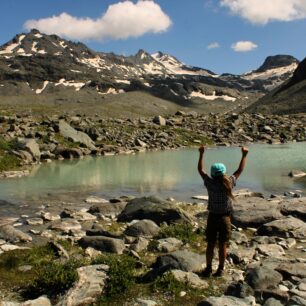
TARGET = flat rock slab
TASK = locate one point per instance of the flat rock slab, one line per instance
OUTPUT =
(41, 301)
(89, 286)
(107, 209)
(228, 301)
(254, 212)
(182, 260)
(191, 278)
(272, 250)
(292, 269)
(66, 226)
(155, 209)
(104, 244)
(295, 208)
(286, 227)
(10, 233)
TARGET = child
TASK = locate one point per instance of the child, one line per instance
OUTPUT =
(220, 207)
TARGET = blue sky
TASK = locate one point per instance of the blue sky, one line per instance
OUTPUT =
(232, 36)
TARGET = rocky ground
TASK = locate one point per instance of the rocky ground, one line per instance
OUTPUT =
(25, 140)
(149, 251)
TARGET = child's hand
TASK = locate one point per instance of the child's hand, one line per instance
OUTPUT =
(201, 149)
(244, 151)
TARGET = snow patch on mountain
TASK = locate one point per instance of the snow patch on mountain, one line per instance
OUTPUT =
(270, 73)
(196, 94)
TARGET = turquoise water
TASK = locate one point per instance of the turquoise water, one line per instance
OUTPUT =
(166, 173)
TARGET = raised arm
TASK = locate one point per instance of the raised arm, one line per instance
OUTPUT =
(244, 151)
(201, 168)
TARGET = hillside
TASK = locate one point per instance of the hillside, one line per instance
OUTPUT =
(38, 71)
(290, 97)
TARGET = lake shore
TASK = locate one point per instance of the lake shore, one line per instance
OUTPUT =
(26, 140)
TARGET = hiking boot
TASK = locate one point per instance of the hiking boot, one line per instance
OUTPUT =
(218, 273)
(207, 272)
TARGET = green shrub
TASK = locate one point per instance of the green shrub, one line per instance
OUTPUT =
(168, 283)
(121, 273)
(53, 278)
(183, 232)
(34, 256)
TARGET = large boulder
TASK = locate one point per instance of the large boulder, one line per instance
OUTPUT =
(253, 212)
(31, 146)
(104, 244)
(72, 134)
(88, 288)
(144, 228)
(263, 278)
(181, 260)
(288, 270)
(107, 209)
(155, 209)
(295, 208)
(287, 227)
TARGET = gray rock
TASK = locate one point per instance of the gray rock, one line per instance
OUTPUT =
(88, 288)
(265, 294)
(292, 269)
(143, 302)
(107, 209)
(263, 277)
(41, 301)
(273, 250)
(287, 227)
(70, 133)
(272, 302)
(153, 208)
(253, 212)
(35, 221)
(159, 120)
(239, 289)
(9, 233)
(296, 173)
(66, 225)
(191, 278)
(168, 245)
(47, 216)
(181, 260)
(80, 215)
(31, 146)
(139, 244)
(228, 301)
(295, 208)
(241, 254)
(296, 300)
(144, 228)
(104, 244)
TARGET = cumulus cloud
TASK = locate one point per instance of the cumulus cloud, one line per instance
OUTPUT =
(213, 45)
(121, 20)
(244, 46)
(264, 11)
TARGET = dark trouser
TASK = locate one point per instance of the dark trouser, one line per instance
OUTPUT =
(218, 228)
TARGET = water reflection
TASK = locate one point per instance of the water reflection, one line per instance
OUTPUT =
(166, 173)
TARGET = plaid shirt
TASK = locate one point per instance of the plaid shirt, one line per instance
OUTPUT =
(218, 200)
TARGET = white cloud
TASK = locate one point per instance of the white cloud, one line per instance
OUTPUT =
(264, 11)
(244, 46)
(121, 20)
(213, 45)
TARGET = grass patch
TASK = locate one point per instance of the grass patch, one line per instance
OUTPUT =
(121, 274)
(9, 162)
(183, 232)
(53, 278)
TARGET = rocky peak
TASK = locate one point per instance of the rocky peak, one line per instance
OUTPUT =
(277, 61)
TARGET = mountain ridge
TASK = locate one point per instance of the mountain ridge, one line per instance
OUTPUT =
(38, 64)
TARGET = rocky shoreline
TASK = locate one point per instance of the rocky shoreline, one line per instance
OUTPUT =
(25, 140)
(163, 243)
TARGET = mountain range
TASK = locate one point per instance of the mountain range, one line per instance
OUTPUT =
(35, 66)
